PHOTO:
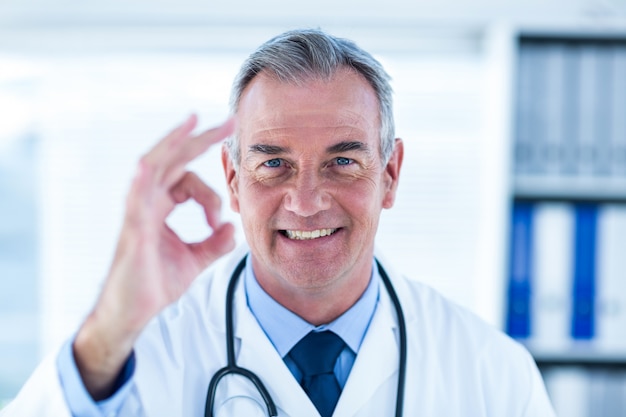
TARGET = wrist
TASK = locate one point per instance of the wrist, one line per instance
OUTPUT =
(100, 353)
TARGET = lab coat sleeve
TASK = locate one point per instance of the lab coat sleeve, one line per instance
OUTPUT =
(41, 396)
(538, 403)
(46, 393)
(78, 399)
(516, 387)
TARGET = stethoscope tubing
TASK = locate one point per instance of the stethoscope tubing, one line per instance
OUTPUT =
(232, 368)
(402, 329)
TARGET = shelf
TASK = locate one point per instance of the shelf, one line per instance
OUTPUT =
(586, 189)
(585, 362)
(585, 357)
(579, 36)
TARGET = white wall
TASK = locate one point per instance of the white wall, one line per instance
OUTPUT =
(109, 78)
(346, 12)
(98, 109)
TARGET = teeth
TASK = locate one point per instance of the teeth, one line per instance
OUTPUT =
(306, 235)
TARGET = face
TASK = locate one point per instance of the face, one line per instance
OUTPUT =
(311, 184)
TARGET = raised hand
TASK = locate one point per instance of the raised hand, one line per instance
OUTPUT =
(152, 266)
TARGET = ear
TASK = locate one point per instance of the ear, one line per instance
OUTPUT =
(230, 172)
(392, 173)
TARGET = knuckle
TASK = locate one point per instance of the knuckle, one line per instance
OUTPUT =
(214, 199)
(151, 171)
(145, 166)
(178, 195)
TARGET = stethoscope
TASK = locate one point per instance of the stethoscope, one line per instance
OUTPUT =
(232, 368)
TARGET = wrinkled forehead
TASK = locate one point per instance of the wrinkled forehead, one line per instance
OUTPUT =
(344, 99)
(305, 77)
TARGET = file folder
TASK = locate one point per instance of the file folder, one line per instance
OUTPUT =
(584, 285)
(518, 314)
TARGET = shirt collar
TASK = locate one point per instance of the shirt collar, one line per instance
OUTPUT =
(285, 329)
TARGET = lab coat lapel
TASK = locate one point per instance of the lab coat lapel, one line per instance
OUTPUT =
(257, 354)
(376, 362)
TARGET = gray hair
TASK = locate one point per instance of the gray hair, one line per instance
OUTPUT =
(300, 55)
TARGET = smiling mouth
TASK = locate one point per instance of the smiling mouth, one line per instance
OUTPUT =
(307, 234)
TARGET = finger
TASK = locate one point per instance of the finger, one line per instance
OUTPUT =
(196, 146)
(138, 197)
(191, 186)
(172, 139)
(192, 148)
(146, 203)
(151, 163)
(164, 166)
(218, 244)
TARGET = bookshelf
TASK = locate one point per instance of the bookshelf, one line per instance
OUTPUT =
(566, 271)
(586, 359)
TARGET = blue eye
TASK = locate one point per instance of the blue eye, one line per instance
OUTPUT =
(343, 161)
(272, 163)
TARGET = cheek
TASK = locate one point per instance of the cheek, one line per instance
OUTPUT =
(258, 201)
(363, 198)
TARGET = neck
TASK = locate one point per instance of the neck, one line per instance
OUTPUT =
(318, 304)
(318, 308)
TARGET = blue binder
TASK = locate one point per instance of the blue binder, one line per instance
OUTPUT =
(520, 266)
(584, 282)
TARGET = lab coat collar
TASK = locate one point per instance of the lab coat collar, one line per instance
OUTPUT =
(376, 363)
(226, 265)
(256, 353)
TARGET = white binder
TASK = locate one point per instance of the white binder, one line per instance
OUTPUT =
(552, 259)
(611, 279)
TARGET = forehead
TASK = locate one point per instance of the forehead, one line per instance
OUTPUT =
(345, 102)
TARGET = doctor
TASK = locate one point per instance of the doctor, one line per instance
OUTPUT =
(310, 163)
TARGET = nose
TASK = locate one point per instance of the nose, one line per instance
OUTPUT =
(307, 195)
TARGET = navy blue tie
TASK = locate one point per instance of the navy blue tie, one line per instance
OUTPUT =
(316, 355)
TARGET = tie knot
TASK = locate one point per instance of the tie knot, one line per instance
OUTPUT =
(317, 352)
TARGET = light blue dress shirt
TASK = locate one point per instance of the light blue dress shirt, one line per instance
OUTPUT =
(283, 328)
(78, 399)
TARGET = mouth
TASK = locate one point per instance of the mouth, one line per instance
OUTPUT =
(307, 234)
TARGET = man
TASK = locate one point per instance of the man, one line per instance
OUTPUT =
(311, 162)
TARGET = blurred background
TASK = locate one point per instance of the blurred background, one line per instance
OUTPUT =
(512, 200)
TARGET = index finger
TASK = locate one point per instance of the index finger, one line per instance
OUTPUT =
(193, 147)
(172, 139)
(167, 159)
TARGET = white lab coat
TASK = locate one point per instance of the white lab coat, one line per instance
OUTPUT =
(457, 365)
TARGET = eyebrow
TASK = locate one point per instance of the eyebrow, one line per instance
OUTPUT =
(348, 146)
(268, 149)
(336, 148)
